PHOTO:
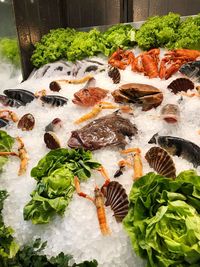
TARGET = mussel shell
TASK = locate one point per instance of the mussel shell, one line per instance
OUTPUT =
(7, 101)
(27, 122)
(91, 68)
(54, 100)
(117, 198)
(161, 162)
(51, 140)
(21, 95)
(181, 84)
(3, 123)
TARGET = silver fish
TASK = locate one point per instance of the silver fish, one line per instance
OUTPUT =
(179, 147)
(54, 100)
(21, 95)
(191, 70)
(7, 101)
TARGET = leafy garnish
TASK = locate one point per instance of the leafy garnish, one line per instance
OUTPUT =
(163, 221)
(9, 50)
(55, 176)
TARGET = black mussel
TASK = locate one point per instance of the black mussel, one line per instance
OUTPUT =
(21, 95)
(54, 126)
(54, 100)
(119, 172)
(7, 101)
(26, 123)
(191, 70)
(91, 68)
(3, 123)
(51, 140)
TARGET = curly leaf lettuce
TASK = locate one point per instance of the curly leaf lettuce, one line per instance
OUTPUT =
(120, 35)
(55, 182)
(6, 143)
(9, 50)
(164, 221)
(158, 31)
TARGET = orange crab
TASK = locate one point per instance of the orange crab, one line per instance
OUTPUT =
(121, 58)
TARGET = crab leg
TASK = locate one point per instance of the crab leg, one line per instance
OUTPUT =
(23, 155)
(6, 153)
(76, 81)
(9, 115)
(104, 173)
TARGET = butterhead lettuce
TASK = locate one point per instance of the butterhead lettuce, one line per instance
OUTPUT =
(163, 221)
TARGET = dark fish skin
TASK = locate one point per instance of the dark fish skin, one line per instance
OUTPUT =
(21, 95)
(179, 147)
(54, 100)
(191, 70)
(3, 123)
(109, 130)
(7, 101)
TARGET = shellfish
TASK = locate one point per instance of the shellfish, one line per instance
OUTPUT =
(53, 126)
(161, 162)
(51, 140)
(191, 70)
(54, 100)
(27, 122)
(143, 94)
(114, 74)
(181, 84)
(170, 113)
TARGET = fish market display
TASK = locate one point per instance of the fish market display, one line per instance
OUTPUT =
(178, 146)
(109, 130)
(161, 162)
(143, 94)
(112, 104)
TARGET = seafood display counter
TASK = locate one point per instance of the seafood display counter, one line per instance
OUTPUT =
(100, 151)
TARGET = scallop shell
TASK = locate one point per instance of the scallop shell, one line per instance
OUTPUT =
(117, 198)
(181, 84)
(51, 140)
(114, 73)
(161, 162)
(27, 122)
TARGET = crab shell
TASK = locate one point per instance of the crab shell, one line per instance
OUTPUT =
(89, 96)
(146, 95)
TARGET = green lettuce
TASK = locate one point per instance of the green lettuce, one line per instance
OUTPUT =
(55, 182)
(158, 31)
(163, 221)
(8, 246)
(188, 35)
(9, 50)
(6, 143)
(84, 44)
(120, 35)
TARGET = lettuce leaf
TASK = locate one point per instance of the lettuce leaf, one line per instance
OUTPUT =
(55, 182)
(158, 31)
(164, 221)
(9, 50)
(6, 143)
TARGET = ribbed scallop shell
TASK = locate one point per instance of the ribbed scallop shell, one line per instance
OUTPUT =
(114, 73)
(161, 162)
(181, 84)
(117, 198)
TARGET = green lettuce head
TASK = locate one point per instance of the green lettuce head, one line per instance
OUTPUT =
(164, 221)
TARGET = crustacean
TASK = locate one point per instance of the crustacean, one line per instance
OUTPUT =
(121, 58)
(115, 195)
(143, 94)
(22, 154)
(134, 161)
(147, 62)
(6, 116)
(174, 59)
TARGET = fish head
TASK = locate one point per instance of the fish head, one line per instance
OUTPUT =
(169, 144)
(154, 139)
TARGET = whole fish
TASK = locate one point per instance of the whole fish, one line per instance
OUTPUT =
(110, 130)
(191, 70)
(179, 147)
